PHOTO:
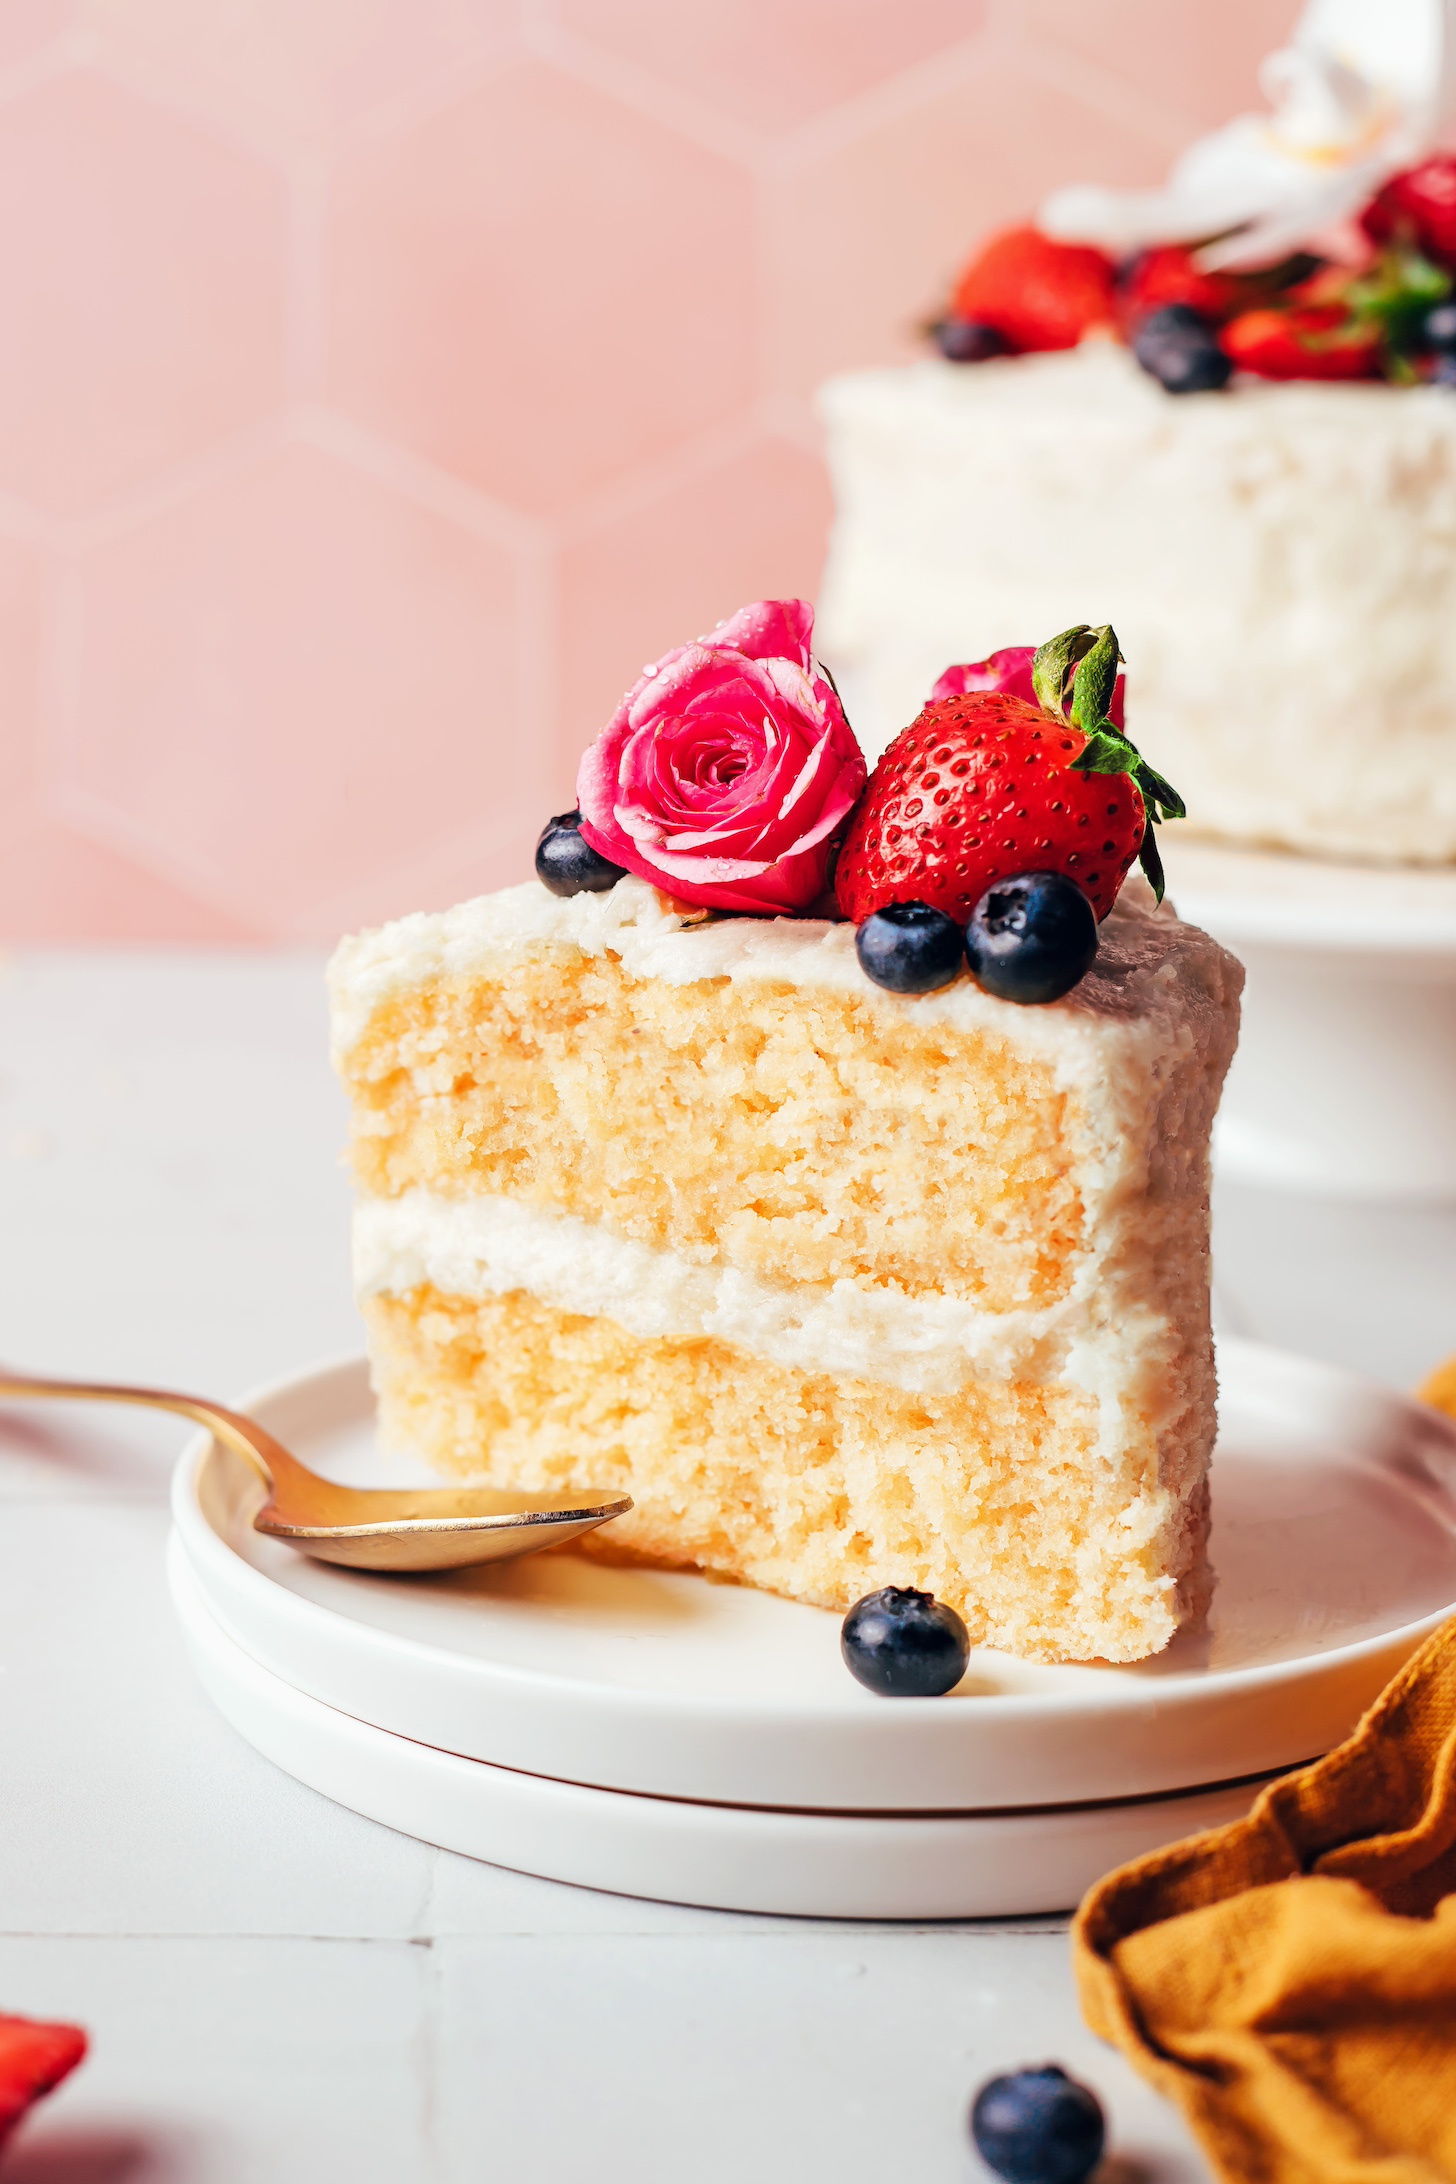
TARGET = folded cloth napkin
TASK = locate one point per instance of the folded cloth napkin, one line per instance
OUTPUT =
(1290, 1980)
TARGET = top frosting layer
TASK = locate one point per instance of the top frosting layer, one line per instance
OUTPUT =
(1100, 383)
(1147, 964)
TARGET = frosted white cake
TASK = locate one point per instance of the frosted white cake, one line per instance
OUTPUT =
(1279, 562)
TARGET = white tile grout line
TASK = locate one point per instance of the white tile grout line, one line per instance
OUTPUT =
(429, 2058)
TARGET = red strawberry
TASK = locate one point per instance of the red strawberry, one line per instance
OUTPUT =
(1036, 293)
(34, 2058)
(1171, 274)
(986, 785)
(1419, 208)
(1308, 341)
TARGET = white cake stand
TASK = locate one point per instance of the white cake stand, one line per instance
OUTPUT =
(1345, 1078)
(654, 1734)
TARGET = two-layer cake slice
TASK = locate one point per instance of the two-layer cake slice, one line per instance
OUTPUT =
(847, 1288)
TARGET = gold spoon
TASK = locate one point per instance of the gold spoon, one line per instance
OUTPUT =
(368, 1528)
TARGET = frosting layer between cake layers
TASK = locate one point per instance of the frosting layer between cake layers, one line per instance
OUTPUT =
(1279, 562)
(993, 1376)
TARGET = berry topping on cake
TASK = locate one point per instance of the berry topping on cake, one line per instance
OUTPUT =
(1438, 330)
(1179, 347)
(1250, 292)
(1038, 2127)
(967, 341)
(909, 948)
(1306, 341)
(567, 863)
(1418, 209)
(1170, 274)
(1035, 293)
(904, 1644)
(1031, 938)
(985, 786)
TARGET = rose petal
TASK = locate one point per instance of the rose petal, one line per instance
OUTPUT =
(769, 629)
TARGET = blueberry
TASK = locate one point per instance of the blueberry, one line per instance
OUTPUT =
(1179, 347)
(904, 1644)
(967, 341)
(567, 863)
(909, 947)
(1032, 938)
(1444, 374)
(1438, 328)
(1038, 2127)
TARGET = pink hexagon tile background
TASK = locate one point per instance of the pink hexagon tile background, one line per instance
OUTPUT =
(382, 384)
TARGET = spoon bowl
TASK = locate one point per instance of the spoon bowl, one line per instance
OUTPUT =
(366, 1528)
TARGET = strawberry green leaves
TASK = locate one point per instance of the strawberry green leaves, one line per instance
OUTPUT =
(1075, 675)
(1055, 662)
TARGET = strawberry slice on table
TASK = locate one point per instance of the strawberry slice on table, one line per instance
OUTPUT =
(34, 2057)
(1035, 293)
(986, 785)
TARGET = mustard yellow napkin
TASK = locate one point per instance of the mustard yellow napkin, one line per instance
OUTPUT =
(1439, 1388)
(1290, 1980)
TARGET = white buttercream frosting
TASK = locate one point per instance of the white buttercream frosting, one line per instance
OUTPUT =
(1279, 563)
(653, 938)
(487, 1246)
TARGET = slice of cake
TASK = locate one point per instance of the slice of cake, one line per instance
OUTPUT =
(846, 1286)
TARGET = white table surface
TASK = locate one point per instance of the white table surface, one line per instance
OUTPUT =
(279, 1991)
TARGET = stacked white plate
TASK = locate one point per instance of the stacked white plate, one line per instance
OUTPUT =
(658, 1735)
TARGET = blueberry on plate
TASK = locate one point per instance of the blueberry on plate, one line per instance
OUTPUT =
(909, 947)
(567, 863)
(904, 1644)
(1444, 374)
(1438, 328)
(1032, 938)
(1038, 2127)
(967, 341)
(1179, 346)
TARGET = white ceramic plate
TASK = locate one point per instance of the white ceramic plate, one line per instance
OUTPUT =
(732, 1857)
(1334, 1536)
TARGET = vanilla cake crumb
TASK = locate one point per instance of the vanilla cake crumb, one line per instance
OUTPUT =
(846, 1288)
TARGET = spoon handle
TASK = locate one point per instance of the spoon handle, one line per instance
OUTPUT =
(243, 1435)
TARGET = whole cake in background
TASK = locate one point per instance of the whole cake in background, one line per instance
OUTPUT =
(1225, 410)
(821, 1160)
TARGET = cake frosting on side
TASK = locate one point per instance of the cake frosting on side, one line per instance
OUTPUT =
(845, 1287)
(1280, 562)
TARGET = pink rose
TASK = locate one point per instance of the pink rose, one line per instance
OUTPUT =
(1010, 669)
(726, 772)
